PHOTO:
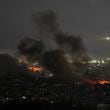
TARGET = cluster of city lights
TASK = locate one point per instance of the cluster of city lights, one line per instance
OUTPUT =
(96, 61)
(94, 82)
(101, 61)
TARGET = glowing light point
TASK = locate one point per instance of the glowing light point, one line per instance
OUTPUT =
(35, 68)
(7, 98)
(108, 58)
(23, 97)
(93, 61)
(103, 82)
(51, 102)
(51, 75)
(103, 61)
(107, 38)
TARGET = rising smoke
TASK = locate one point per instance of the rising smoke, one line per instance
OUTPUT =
(60, 53)
(54, 37)
(31, 48)
(47, 29)
(72, 45)
(57, 45)
(46, 25)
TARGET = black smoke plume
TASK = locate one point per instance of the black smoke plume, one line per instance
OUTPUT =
(31, 48)
(57, 45)
(48, 31)
(46, 25)
(73, 46)
(73, 43)
(56, 62)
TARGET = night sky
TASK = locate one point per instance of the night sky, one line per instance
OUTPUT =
(88, 18)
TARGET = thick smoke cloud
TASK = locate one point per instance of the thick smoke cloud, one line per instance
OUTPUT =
(71, 42)
(56, 62)
(31, 48)
(47, 28)
(60, 53)
(46, 25)
(57, 45)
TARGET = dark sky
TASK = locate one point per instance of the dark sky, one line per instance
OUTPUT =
(88, 18)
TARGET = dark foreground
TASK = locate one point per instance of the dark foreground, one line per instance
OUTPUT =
(50, 94)
(55, 106)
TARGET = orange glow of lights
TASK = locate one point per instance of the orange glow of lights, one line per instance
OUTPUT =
(103, 82)
(36, 68)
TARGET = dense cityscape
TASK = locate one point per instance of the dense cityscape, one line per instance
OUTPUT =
(36, 86)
